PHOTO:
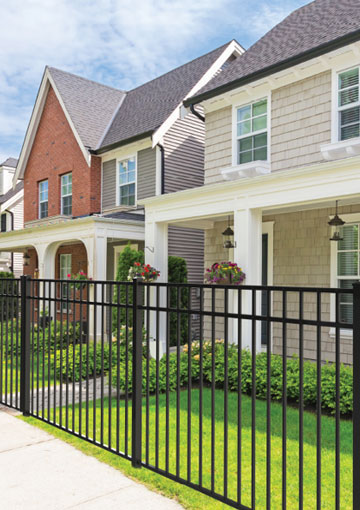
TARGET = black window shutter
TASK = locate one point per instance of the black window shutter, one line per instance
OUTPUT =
(3, 222)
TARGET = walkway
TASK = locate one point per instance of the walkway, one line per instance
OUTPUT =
(41, 472)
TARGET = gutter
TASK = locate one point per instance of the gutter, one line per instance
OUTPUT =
(280, 66)
(196, 113)
(115, 145)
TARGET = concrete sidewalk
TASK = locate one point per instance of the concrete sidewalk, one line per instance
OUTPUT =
(38, 471)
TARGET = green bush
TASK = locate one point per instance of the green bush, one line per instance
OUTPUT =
(127, 258)
(71, 369)
(41, 338)
(310, 375)
(177, 273)
(7, 306)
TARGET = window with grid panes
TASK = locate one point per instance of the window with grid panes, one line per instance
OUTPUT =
(251, 131)
(43, 199)
(349, 104)
(66, 194)
(127, 181)
(348, 271)
(65, 264)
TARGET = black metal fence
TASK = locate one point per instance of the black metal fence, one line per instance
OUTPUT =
(253, 426)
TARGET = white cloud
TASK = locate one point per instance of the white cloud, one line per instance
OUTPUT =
(119, 42)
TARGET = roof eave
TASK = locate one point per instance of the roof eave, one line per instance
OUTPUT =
(115, 145)
(263, 73)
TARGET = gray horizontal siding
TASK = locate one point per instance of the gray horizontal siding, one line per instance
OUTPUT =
(184, 154)
(146, 173)
(109, 184)
(189, 244)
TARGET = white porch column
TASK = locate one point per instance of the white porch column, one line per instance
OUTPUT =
(156, 254)
(96, 248)
(247, 254)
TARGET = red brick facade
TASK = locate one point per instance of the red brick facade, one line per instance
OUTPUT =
(55, 152)
(78, 258)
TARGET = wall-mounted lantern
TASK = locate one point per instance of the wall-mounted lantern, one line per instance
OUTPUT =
(336, 222)
(228, 234)
(26, 259)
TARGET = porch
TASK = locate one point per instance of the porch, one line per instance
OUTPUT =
(281, 237)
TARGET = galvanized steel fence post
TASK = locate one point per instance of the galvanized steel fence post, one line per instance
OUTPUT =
(137, 374)
(356, 398)
(25, 346)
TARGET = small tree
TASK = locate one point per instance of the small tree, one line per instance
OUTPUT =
(177, 270)
(127, 258)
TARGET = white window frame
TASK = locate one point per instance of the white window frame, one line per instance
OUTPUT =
(235, 138)
(43, 201)
(118, 161)
(64, 196)
(64, 276)
(339, 109)
(349, 219)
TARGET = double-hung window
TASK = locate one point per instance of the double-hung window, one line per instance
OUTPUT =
(64, 270)
(251, 132)
(127, 181)
(66, 194)
(43, 199)
(348, 268)
(349, 104)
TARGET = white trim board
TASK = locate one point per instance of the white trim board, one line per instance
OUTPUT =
(232, 48)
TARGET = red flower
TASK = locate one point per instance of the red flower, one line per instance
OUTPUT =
(142, 274)
(137, 264)
(69, 275)
(146, 269)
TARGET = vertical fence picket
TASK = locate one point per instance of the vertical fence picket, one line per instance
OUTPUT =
(25, 346)
(356, 399)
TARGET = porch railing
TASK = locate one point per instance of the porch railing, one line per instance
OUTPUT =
(116, 364)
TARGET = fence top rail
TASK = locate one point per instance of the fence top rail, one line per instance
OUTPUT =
(269, 288)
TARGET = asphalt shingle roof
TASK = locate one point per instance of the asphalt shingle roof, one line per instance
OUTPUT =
(145, 108)
(315, 24)
(11, 162)
(90, 105)
(12, 192)
(124, 215)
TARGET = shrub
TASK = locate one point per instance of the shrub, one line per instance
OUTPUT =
(177, 273)
(7, 306)
(310, 375)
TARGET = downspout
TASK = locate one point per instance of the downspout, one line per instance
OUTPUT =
(162, 151)
(12, 228)
(196, 113)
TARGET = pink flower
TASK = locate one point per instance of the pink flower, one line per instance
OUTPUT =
(69, 275)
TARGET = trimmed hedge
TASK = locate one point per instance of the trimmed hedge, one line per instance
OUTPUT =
(310, 376)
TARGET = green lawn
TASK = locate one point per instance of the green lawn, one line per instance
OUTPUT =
(194, 500)
(10, 374)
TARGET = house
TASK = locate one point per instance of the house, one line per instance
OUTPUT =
(11, 213)
(91, 152)
(282, 146)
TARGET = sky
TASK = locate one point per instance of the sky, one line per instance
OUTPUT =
(121, 43)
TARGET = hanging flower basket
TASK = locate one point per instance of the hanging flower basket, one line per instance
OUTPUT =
(224, 273)
(144, 272)
(79, 279)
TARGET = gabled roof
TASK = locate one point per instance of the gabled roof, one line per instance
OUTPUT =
(12, 192)
(10, 162)
(312, 28)
(101, 116)
(145, 108)
(90, 105)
